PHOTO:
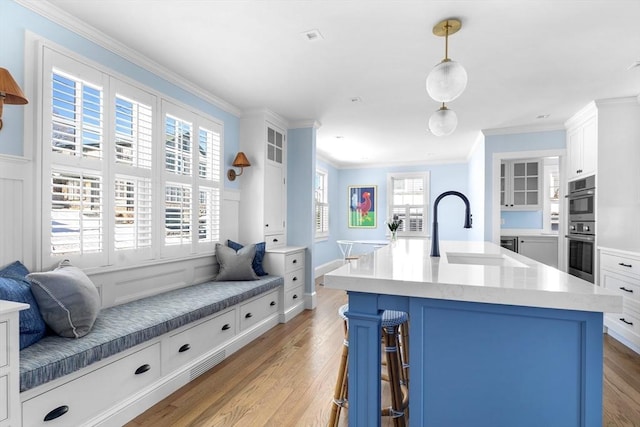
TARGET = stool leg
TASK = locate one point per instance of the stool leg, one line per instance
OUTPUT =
(340, 392)
(395, 375)
(404, 350)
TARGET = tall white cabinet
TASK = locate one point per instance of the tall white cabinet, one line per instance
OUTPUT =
(264, 188)
(582, 143)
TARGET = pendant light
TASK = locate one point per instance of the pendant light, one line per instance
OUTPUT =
(443, 122)
(448, 79)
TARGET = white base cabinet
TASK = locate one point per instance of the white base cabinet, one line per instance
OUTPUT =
(288, 262)
(543, 249)
(10, 415)
(620, 272)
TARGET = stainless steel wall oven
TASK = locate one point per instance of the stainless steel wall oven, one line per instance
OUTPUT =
(581, 234)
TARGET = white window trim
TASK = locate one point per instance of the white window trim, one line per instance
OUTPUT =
(425, 176)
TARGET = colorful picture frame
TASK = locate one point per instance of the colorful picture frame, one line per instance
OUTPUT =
(362, 210)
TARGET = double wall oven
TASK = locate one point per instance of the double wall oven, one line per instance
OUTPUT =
(581, 234)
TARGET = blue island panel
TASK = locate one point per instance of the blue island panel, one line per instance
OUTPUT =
(477, 364)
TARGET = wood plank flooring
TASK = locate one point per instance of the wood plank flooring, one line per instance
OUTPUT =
(286, 378)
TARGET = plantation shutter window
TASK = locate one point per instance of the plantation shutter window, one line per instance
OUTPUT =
(133, 227)
(178, 145)
(76, 213)
(321, 204)
(177, 214)
(133, 132)
(409, 201)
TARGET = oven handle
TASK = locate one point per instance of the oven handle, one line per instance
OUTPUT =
(581, 238)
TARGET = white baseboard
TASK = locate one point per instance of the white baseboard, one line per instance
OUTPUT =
(327, 267)
(310, 301)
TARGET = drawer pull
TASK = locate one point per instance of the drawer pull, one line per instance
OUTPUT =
(624, 265)
(622, 319)
(248, 315)
(56, 413)
(275, 240)
(142, 369)
(295, 296)
(295, 278)
(226, 327)
(295, 261)
(272, 303)
(184, 348)
(622, 288)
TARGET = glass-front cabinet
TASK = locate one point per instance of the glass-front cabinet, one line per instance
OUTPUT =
(520, 185)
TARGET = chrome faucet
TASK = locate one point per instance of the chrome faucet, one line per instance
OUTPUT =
(435, 246)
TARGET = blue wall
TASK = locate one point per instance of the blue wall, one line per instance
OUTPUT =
(476, 189)
(15, 20)
(326, 250)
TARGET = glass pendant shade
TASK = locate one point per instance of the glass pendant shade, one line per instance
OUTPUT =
(446, 81)
(443, 122)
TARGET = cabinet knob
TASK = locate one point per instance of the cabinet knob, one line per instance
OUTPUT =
(266, 225)
(295, 278)
(274, 240)
(248, 316)
(226, 327)
(184, 348)
(295, 296)
(272, 303)
(295, 261)
(56, 413)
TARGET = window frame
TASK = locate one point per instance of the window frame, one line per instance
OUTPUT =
(425, 176)
(322, 232)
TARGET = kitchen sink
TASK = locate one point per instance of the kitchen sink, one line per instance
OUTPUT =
(483, 259)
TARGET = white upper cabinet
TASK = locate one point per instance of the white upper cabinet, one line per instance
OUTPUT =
(582, 146)
(520, 185)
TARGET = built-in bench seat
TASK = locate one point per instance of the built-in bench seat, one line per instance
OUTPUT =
(122, 327)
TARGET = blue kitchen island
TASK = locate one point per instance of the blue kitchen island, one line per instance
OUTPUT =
(496, 339)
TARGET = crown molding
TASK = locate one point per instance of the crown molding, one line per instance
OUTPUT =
(304, 124)
(547, 127)
(70, 22)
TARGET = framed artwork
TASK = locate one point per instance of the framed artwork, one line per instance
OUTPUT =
(362, 206)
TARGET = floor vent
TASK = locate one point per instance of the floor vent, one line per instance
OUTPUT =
(207, 364)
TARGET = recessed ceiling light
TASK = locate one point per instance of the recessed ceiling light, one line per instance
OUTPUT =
(339, 137)
(312, 35)
(356, 99)
(543, 116)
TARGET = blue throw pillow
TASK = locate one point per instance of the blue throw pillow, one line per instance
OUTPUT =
(257, 260)
(15, 287)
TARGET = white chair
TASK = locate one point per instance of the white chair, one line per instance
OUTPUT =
(345, 248)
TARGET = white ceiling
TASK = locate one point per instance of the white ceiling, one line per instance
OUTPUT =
(523, 58)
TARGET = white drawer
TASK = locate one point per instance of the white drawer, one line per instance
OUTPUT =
(293, 296)
(622, 285)
(258, 309)
(4, 394)
(620, 264)
(181, 348)
(4, 344)
(628, 321)
(88, 395)
(274, 241)
(294, 261)
(293, 279)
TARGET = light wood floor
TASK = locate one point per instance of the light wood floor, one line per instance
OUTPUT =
(286, 378)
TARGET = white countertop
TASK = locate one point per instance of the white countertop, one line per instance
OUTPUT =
(405, 268)
(10, 306)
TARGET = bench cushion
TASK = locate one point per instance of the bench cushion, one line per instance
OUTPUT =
(124, 326)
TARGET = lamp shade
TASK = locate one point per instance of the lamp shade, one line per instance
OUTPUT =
(446, 81)
(10, 90)
(241, 160)
(443, 122)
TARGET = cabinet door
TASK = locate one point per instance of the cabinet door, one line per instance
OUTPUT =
(275, 193)
(503, 184)
(589, 147)
(541, 249)
(526, 184)
(574, 145)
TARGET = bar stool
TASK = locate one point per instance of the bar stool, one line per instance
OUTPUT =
(395, 338)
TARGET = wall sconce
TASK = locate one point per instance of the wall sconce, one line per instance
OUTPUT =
(10, 92)
(241, 162)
